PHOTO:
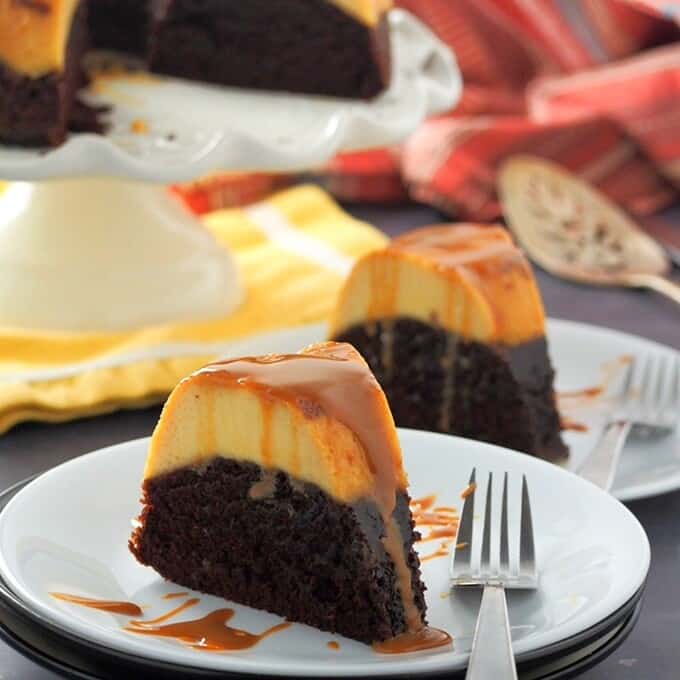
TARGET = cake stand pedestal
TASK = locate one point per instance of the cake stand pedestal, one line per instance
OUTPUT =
(80, 253)
(59, 238)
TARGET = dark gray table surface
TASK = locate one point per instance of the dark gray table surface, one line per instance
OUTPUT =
(652, 650)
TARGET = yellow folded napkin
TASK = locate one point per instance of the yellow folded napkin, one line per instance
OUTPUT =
(293, 252)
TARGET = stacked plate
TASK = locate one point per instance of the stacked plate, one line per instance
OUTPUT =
(67, 531)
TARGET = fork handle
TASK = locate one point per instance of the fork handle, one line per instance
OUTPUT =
(600, 466)
(492, 657)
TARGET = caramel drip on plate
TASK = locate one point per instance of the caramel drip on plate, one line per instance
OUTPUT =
(444, 532)
(441, 522)
(433, 519)
(209, 633)
(172, 613)
(111, 606)
(425, 638)
(610, 371)
(572, 425)
(586, 393)
(335, 646)
(174, 596)
(425, 503)
(444, 550)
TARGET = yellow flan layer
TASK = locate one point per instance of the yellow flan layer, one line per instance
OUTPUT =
(469, 279)
(33, 34)
(255, 410)
(369, 12)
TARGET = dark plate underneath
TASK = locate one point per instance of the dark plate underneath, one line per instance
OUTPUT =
(71, 656)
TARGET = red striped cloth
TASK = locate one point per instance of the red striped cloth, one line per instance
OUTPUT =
(592, 84)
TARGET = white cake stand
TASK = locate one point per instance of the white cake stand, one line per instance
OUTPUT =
(88, 243)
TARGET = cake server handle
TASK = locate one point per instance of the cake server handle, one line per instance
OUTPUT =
(491, 657)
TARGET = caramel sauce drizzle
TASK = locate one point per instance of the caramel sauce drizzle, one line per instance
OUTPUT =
(209, 633)
(442, 551)
(572, 425)
(192, 602)
(440, 521)
(111, 606)
(265, 487)
(422, 504)
(425, 638)
(585, 393)
(174, 596)
(445, 532)
(610, 371)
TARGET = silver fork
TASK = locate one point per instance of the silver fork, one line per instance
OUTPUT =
(654, 408)
(492, 657)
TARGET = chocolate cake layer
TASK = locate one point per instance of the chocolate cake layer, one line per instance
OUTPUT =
(292, 45)
(36, 111)
(121, 25)
(436, 381)
(274, 543)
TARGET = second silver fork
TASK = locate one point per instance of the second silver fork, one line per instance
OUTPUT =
(492, 657)
(653, 408)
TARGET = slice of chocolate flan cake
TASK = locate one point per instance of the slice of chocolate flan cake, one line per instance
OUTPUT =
(121, 25)
(450, 320)
(41, 47)
(277, 482)
(338, 48)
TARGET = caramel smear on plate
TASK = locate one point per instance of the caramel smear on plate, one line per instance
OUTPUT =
(174, 596)
(435, 523)
(425, 638)
(209, 633)
(111, 606)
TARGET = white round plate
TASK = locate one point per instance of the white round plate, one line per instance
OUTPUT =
(67, 531)
(195, 129)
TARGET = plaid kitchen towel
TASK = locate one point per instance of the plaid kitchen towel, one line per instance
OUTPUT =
(591, 84)
(293, 252)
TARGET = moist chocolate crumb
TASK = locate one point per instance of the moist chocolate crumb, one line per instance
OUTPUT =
(295, 552)
(437, 381)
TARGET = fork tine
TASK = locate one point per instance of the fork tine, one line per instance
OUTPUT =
(462, 558)
(646, 383)
(505, 543)
(661, 372)
(668, 398)
(674, 400)
(527, 554)
(485, 564)
(628, 379)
